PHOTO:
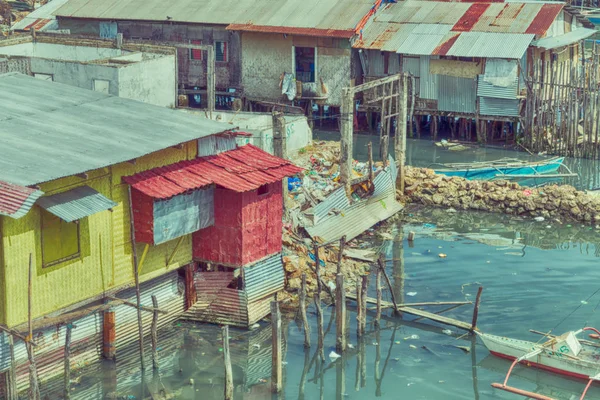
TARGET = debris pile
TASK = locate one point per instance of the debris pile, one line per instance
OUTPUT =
(555, 201)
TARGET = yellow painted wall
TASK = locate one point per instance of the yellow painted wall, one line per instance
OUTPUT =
(106, 256)
(2, 282)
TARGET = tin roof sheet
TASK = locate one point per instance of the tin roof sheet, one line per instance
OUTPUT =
(334, 15)
(243, 169)
(69, 130)
(40, 18)
(395, 26)
(566, 39)
(15, 201)
(487, 44)
(76, 203)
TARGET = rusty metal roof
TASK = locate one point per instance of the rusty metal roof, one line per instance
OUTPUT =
(15, 200)
(437, 28)
(243, 169)
(330, 15)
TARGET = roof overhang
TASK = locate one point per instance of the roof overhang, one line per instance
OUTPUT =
(565, 39)
(288, 30)
(15, 200)
(76, 204)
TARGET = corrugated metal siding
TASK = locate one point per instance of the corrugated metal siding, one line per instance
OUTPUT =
(486, 89)
(76, 203)
(412, 65)
(457, 94)
(211, 145)
(375, 62)
(4, 352)
(216, 303)
(263, 278)
(15, 200)
(183, 214)
(336, 200)
(428, 83)
(498, 107)
(169, 291)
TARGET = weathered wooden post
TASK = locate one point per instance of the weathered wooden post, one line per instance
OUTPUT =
(340, 314)
(476, 309)
(363, 300)
(305, 323)
(276, 358)
(34, 389)
(210, 79)
(359, 310)
(321, 334)
(227, 361)
(340, 378)
(190, 287)
(346, 131)
(67, 376)
(279, 135)
(400, 142)
(378, 288)
(381, 264)
(317, 268)
(108, 334)
(154, 333)
(341, 254)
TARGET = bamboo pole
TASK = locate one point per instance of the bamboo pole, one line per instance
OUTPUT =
(137, 282)
(359, 309)
(346, 130)
(476, 309)
(67, 376)
(276, 358)
(154, 333)
(227, 361)
(340, 314)
(363, 300)
(381, 264)
(400, 143)
(317, 268)
(305, 323)
(378, 288)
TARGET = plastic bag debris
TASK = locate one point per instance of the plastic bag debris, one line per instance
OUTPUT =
(333, 356)
(411, 294)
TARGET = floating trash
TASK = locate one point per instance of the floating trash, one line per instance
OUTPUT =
(333, 356)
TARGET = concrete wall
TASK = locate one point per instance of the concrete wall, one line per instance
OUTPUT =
(77, 74)
(152, 81)
(191, 72)
(267, 56)
(60, 52)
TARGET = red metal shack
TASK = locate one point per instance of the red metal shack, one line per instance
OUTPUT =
(232, 202)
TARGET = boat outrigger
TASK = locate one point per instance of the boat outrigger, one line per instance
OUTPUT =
(505, 168)
(565, 354)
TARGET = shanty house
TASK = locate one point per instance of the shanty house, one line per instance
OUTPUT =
(65, 223)
(144, 73)
(469, 60)
(237, 237)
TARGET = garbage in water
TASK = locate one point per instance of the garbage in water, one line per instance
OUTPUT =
(411, 294)
(447, 332)
(412, 337)
(442, 255)
(334, 356)
(539, 219)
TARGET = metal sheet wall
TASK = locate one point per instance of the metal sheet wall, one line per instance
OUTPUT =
(486, 89)
(412, 65)
(457, 94)
(499, 107)
(4, 352)
(428, 83)
(263, 278)
(183, 214)
(211, 145)
(336, 200)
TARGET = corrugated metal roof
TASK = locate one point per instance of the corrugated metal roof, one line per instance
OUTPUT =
(564, 40)
(361, 215)
(322, 15)
(36, 17)
(440, 19)
(243, 169)
(16, 201)
(494, 45)
(76, 203)
(338, 33)
(69, 130)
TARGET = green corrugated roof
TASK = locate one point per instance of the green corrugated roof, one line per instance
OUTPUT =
(75, 204)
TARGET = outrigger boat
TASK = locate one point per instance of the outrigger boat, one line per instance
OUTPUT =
(565, 354)
(505, 168)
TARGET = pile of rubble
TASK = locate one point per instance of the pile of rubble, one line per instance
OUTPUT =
(555, 201)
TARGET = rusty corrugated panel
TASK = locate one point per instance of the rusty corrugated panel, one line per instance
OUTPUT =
(523, 19)
(446, 44)
(259, 309)
(15, 200)
(470, 17)
(544, 18)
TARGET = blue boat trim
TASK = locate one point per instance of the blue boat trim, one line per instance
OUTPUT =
(488, 173)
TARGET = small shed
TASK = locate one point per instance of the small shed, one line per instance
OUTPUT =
(232, 205)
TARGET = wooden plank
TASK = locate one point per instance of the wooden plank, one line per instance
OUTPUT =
(420, 313)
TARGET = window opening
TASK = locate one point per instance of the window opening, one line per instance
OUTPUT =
(221, 54)
(60, 240)
(195, 54)
(305, 64)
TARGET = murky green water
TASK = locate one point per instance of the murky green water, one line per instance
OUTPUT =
(539, 276)
(536, 275)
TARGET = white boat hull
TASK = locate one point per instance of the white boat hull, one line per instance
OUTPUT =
(584, 366)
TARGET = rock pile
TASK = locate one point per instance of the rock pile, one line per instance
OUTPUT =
(555, 201)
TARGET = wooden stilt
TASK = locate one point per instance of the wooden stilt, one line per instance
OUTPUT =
(154, 334)
(321, 335)
(341, 254)
(476, 309)
(340, 314)
(305, 323)
(190, 288)
(227, 361)
(108, 335)
(34, 390)
(340, 378)
(67, 377)
(359, 309)
(276, 359)
(363, 300)
(381, 264)
(378, 288)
